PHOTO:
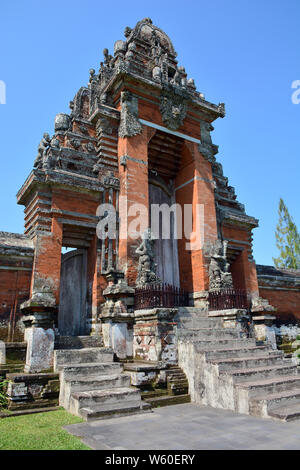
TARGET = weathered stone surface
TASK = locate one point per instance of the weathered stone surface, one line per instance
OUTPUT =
(2, 353)
(40, 346)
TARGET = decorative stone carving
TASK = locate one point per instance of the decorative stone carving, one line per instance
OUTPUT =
(219, 275)
(147, 266)
(42, 148)
(129, 124)
(62, 122)
(173, 108)
(206, 147)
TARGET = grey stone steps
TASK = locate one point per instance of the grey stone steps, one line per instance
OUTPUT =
(73, 371)
(286, 413)
(78, 342)
(90, 398)
(198, 312)
(232, 364)
(98, 383)
(227, 352)
(198, 322)
(261, 406)
(167, 400)
(270, 385)
(81, 356)
(114, 411)
(205, 345)
(213, 333)
(250, 374)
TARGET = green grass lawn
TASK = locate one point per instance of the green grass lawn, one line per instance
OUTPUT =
(40, 431)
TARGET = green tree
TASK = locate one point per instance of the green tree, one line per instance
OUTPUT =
(287, 240)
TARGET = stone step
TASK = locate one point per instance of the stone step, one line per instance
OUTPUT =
(209, 333)
(245, 391)
(114, 411)
(263, 405)
(227, 352)
(187, 322)
(78, 342)
(232, 364)
(257, 373)
(103, 382)
(76, 371)
(205, 345)
(168, 400)
(104, 398)
(286, 413)
(192, 311)
(271, 385)
(81, 356)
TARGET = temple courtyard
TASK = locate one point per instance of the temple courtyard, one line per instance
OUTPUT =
(188, 427)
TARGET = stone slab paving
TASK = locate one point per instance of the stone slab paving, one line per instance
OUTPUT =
(188, 427)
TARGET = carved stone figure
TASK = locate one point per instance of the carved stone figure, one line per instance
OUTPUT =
(146, 267)
(108, 59)
(173, 109)
(219, 275)
(129, 124)
(206, 147)
(42, 149)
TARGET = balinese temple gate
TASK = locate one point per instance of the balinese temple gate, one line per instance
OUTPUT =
(138, 137)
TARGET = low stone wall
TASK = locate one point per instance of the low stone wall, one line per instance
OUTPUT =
(27, 391)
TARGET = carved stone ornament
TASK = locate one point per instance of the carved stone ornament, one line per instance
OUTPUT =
(147, 266)
(206, 147)
(173, 109)
(219, 275)
(129, 125)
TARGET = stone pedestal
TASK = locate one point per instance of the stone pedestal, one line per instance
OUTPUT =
(199, 299)
(154, 337)
(264, 330)
(117, 315)
(233, 317)
(39, 331)
(2, 353)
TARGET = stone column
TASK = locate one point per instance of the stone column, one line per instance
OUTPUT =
(39, 331)
(117, 315)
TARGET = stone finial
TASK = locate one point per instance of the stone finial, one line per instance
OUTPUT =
(62, 122)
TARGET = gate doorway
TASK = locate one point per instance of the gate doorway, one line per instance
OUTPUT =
(72, 312)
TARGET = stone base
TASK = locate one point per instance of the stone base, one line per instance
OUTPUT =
(119, 337)
(199, 299)
(40, 346)
(26, 391)
(155, 335)
(264, 330)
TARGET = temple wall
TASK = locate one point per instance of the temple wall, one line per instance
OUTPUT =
(16, 259)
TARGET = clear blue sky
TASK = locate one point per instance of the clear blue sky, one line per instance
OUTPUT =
(244, 53)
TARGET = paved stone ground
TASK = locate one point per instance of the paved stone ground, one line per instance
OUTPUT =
(188, 427)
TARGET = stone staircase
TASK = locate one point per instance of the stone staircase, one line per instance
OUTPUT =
(93, 386)
(226, 370)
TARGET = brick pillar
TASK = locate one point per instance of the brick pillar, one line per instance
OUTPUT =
(194, 185)
(133, 171)
(39, 309)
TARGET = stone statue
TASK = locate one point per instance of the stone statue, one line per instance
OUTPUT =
(147, 266)
(219, 275)
(42, 149)
(108, 59)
